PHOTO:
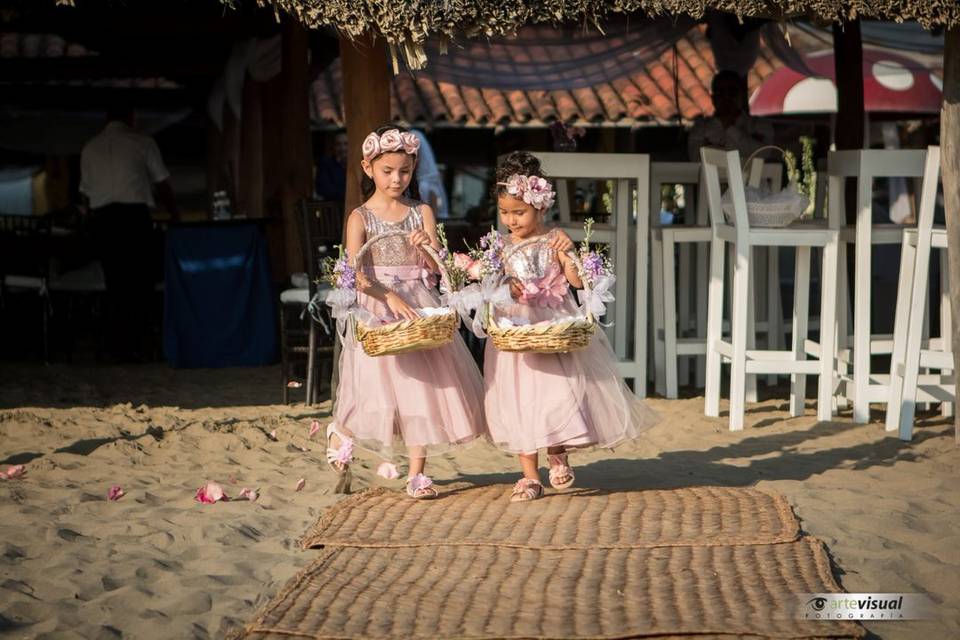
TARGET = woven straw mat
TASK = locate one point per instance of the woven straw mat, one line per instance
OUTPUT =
(702, 562)
(574, 520)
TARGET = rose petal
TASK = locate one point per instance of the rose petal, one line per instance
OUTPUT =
(300, 484)
(249, 494)
(115, 493)
(314, 428)
(388, 470)
(210, 493)
(16, 471)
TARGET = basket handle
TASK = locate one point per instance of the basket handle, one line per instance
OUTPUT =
(543, 240)
(749, 160)
(392, 234)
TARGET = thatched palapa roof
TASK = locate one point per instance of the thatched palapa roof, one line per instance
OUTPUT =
(406, 24)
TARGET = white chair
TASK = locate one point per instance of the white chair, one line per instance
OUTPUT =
(670, 319)
(744, 360)
(907, 384)
(864, 386)
(628, 237)
(668, 346)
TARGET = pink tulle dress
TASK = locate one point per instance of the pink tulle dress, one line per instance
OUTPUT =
(431, 399)
(539, 400)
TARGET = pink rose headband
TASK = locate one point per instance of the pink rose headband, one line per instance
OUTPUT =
(390, 140)
(533, 190)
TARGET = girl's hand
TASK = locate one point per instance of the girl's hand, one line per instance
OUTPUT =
(560, 241)
(516, 290)
(399, 307)
(419, 238)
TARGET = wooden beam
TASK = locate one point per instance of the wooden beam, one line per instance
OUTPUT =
(366, 102)
(950, 162)
(97, 67)
(94, 98)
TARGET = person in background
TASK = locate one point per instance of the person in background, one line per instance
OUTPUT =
(121, 171)
(430, 180)
(731, 126)
(331, 179)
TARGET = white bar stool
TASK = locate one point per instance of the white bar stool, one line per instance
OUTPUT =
(907, 385)
(670, 320)
(667, 345)
(744, 360)
(864, 386)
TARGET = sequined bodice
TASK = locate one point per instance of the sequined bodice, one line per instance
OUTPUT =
(395, 251)
(531, 261)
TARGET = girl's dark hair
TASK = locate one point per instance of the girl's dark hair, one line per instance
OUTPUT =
(367, 187)
(521, 163)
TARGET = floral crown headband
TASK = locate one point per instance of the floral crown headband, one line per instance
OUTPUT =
(533, 190)
(390, 140)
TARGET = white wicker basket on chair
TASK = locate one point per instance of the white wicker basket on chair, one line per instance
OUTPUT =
(778, 209)
(544, 337)
(405, 336)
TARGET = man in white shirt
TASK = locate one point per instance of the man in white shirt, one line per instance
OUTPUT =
(119, 171)
(731, 126)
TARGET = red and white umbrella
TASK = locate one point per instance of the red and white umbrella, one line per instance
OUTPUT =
(892, 83)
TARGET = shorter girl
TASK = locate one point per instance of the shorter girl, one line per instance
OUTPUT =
(556, 401)
(412, 403)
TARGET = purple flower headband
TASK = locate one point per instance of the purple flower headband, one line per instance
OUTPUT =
(390, 140)
(533, 190)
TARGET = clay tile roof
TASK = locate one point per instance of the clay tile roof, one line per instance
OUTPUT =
(647, 96)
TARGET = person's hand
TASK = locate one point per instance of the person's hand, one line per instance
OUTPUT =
(400, 308)
(560, 241)
(419, 238)
(516, 289)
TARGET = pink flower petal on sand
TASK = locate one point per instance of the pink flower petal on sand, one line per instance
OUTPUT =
(249, 494)
(388, 470)
(115, 493)
(314, 428)
(300, 484)
(16, 471)
(210, 493)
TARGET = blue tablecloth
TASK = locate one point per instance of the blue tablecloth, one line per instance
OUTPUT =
(219, 307)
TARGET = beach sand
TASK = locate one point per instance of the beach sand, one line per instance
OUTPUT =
(157, 564)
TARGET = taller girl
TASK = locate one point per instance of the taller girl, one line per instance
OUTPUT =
(552, 401)
(414, 403)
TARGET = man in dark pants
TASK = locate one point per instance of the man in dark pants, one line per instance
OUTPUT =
(120, 170)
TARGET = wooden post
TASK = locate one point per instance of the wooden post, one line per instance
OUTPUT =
(297, 154)
(250, 171)
(366, 102)
(950, 162)
(848, 72)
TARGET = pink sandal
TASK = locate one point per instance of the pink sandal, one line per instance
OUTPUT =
(339, 458)
(526, 489)
(559, 469)
(420, 487)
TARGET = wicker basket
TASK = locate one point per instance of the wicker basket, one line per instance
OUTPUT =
(554, 337)
(770, 210)
(405, 336)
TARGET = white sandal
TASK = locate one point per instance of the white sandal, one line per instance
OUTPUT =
(420, 487)
(526, 489)
(560, 469)
(339, 458)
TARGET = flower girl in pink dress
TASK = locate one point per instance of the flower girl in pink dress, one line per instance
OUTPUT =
(552, 401)
(415, 403)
